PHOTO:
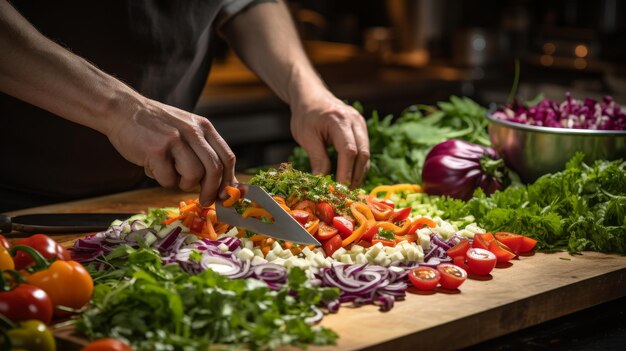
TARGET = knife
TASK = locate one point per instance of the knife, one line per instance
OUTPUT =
(51, 223)
(284, 227)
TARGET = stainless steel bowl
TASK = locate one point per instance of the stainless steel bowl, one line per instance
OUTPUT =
(533, 151)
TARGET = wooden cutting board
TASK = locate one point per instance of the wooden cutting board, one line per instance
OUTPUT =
(532, 290)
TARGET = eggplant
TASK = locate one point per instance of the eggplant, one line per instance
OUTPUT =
(457, 168)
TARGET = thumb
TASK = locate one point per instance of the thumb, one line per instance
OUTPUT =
(320, 163)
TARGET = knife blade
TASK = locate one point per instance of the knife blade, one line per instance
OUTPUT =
(51, 223)
(284, 227)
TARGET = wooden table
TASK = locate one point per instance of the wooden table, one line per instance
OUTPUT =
(532, 290)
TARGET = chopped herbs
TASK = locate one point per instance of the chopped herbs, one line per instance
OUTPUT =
(386, 234)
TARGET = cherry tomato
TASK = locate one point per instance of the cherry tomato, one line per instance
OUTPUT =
(42, 243)
(26, 302)
(108, 344)
(4, 242)
(503, 253)
(306, 205)
(301, 216)
(527, 244)
(331, 245)
(326, 231)
(380, 211)
(388, 203)
(451, 276)
(325, 212)
(513, 241)
(481, 261)
(481, 241)
(424, 278)
(344, 225)
(400, 215)
(370, 233)
(461, 262)
(459, 249)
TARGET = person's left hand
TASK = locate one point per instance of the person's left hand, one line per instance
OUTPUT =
(325, 120)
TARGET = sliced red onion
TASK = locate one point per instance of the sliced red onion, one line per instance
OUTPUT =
(169, 239)
(315, 318)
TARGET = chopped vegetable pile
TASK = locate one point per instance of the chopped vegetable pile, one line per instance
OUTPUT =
(571, 113)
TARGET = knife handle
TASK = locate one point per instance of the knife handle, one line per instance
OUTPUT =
(5, 224)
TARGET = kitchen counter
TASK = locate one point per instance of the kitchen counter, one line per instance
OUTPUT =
(533, 290)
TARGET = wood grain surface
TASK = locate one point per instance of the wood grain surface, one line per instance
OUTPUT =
(532, 290)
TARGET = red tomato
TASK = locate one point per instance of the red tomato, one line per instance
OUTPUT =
(364, 243)
(325, 212)
(42, 243)
(306, 205)
(400, 215)
(108, 344)
(459, 249)
(503, 253)
(197, 224)
(344, 225)
(301, 216)
(389, 203)
(527, 244)
(451, 276)
(331, 245)
(326, 231)
(513, 241)
(481, 241)
(461, 262)
(26, 302)
(370, 233)
(424, 278)
(480, 261)
(4, 242)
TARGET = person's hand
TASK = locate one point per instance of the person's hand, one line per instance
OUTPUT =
(175, 147)
(325, 120)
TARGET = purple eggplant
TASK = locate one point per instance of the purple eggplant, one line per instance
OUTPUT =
(457, 168)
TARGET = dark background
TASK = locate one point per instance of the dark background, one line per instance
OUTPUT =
(390, 54)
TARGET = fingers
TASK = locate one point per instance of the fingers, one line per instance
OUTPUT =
(320, 162)
(226, 157)
(188, 166)
(343, 139)
(362, 161)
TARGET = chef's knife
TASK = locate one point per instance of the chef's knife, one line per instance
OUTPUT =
(284, 227)
(51, 223)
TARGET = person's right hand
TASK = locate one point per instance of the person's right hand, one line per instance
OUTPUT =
(175, 147)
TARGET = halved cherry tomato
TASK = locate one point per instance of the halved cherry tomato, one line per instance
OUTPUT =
(480, 261)
(424, 278)
(301, 216)
(400, 215)
(331, 245)
(513, 241)
(380, 211)
(325, 212)
(451, 276)
(481, 241)
(527, 244)
(344, 225)
(370, 233)
(461, 262)
(388, 203)
(306, 205)
(503, 253)
(108, 344)
(326, 231)
(459, 249)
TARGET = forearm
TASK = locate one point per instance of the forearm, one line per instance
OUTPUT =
(265, 38)
(37, 70)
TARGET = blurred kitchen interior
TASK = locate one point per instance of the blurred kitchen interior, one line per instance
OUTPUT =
(390, 54)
